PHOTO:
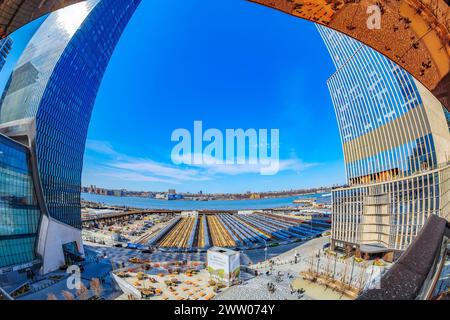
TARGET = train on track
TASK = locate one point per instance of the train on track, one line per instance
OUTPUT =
(238, 231)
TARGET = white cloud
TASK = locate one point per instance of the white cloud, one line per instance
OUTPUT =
(212, 166)
(120, 166)
(134, 176)
(101, 147)
(147, 166)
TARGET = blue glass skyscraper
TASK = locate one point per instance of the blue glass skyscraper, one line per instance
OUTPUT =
(19, 209)
(396, 146)
(47, 106)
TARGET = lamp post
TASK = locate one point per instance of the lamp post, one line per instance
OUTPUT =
(265, 250)
(351, 275)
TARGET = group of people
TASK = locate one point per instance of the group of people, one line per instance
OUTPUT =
(300, 292)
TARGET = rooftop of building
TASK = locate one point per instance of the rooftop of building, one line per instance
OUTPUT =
(224, 251)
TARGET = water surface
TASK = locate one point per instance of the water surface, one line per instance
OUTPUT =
(148, 203)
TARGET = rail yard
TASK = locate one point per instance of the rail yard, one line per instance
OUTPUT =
(201, 231)
(196, 231)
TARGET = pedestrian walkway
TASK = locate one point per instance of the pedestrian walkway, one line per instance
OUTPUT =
(316, 291)
(258, 289)
(119, 256)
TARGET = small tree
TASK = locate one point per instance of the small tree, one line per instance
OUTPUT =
(68, 296)
(83, 292)
(51, 297)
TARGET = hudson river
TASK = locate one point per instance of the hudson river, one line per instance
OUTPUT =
(148, 203)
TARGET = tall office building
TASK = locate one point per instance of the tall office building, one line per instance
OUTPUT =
(396, 146)
(5, 49)
(44, 116)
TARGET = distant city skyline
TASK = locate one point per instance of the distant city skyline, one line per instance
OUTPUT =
(244, 75)
(91, 188)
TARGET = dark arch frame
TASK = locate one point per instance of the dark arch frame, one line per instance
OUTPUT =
(64, 157)
(414, 33)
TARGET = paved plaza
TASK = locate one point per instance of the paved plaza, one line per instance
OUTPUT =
(257, 289)
(281, 275)
(278, 278)
(283, 272)
(119, 256)
(58, 282)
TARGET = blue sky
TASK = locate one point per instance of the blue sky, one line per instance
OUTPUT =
(233, 65)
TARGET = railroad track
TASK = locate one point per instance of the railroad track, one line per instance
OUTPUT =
(179, 236)
(201, 234)
(219, 234)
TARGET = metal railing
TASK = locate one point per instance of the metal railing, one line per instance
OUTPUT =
(4, 295)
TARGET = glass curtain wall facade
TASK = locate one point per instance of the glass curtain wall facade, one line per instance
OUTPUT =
(409, 202)
(394, 154)
(53, 87)
(55, 84)
(5, 48)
